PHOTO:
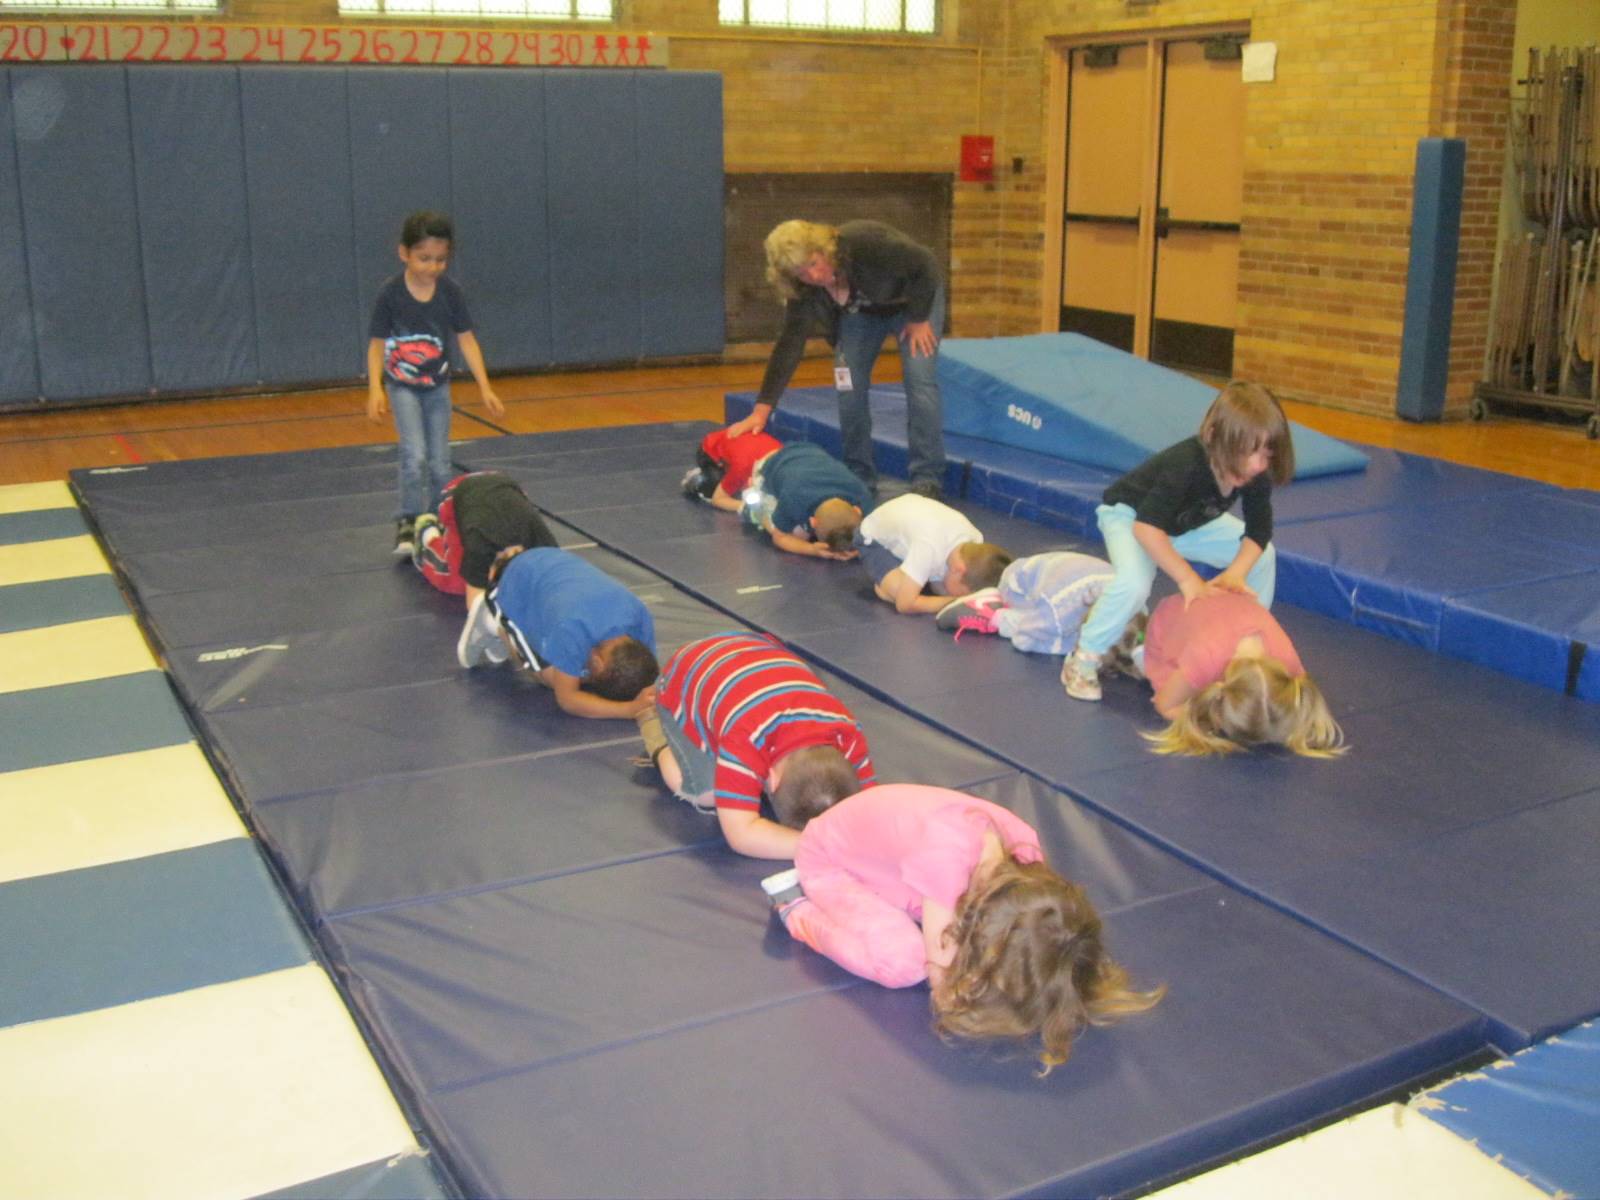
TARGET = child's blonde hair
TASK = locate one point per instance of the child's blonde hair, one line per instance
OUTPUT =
(1030, 961)
(1256, 702)
(1243, 418)
(790, 247)
(985, 563)
(836, 523)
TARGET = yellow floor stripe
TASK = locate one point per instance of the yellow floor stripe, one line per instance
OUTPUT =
(31, 497)
(72, 653)
(232, 1090)
(59, 558)
(112, 809)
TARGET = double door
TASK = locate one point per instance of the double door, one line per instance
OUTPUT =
(1152, 191)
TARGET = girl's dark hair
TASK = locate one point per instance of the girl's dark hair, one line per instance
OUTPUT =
(426, 224)
(1244, 417)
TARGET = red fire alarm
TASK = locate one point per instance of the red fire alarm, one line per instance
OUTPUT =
(977, 158)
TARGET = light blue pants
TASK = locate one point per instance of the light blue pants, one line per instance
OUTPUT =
(1215, 543)
(861, 337)
(422, 419)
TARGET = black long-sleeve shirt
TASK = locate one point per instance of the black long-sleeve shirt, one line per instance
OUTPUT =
(1176, 492)
(886, 271)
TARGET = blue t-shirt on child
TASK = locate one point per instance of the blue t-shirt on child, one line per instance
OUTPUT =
(803, 475)
(564, 607)
(417, 336)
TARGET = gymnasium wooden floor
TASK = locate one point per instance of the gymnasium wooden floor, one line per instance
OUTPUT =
(45, 445)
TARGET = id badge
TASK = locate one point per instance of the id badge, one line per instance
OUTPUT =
(841, 377)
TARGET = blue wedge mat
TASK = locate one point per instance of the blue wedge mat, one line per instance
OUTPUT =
(1536, 1114)
(1414, 548)
(1072, 397)
(445, 829)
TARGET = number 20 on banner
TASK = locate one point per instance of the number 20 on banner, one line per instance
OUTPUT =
(159, 42)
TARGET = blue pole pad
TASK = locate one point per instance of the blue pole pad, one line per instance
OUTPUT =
(1431, 278)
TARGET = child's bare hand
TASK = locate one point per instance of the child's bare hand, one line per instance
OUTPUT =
(1230, 583)
(643, 701)
(493, 403)
(821, 550)
(754, 423)
(377, 406)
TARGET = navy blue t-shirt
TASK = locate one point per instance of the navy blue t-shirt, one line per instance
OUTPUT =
(803, 475)
(417, 337)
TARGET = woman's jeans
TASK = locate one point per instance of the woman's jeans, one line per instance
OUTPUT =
(861, 337)
(422, 418)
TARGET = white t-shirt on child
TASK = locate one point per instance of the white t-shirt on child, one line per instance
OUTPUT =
(921, 533)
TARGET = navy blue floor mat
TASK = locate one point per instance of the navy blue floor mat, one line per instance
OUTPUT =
(1490, 568)
(1439, 746)
(573, 982)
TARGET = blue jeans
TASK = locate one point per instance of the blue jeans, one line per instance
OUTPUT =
(422, 419)
(698, 767)
(861, 337)
(1215, 543)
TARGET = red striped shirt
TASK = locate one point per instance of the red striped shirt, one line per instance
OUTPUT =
(747, 701)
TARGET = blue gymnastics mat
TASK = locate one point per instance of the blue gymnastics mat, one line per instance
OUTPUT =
(573, 983)
(1477, 565)
(1486, 780)
(1068, 396)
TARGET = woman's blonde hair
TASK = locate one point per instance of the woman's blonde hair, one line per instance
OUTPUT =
(1256, 702)
(790, 247)
(1243, 418)
(1030, 960)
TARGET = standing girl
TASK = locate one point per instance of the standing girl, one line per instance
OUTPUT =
(1173, 508)
(417, 314)
(902, 883)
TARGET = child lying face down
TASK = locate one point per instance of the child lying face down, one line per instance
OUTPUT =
(902, 883)
(912, 544)
(806, 500)
(738, 714)
(585, 636)
(1227, 677)
(479, 515)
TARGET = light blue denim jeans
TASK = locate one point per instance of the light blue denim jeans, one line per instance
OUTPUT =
(861, 337)
(1134, 572)
(422, 418)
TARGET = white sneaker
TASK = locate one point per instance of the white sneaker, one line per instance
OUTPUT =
(480, 637)
(783, 889)
(1080, 675)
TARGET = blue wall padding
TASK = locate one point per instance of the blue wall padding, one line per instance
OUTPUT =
(182, 229)
(1431, 277)
(19, 362)
(590, 130)
(147, 927)
(399, 163)
(1070, 396)
(498, 179)
(80, 218)
(1536, 1114)
(302, 252)
(680, 210)
(194, 228)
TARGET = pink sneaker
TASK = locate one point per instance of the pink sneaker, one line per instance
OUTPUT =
(976, 613)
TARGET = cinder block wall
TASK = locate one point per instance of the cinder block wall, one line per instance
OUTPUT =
(1329, 152)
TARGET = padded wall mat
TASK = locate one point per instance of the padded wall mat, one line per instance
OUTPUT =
(574, 981)
(1486, 567)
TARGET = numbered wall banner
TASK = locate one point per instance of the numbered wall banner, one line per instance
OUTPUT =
(391, 45)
